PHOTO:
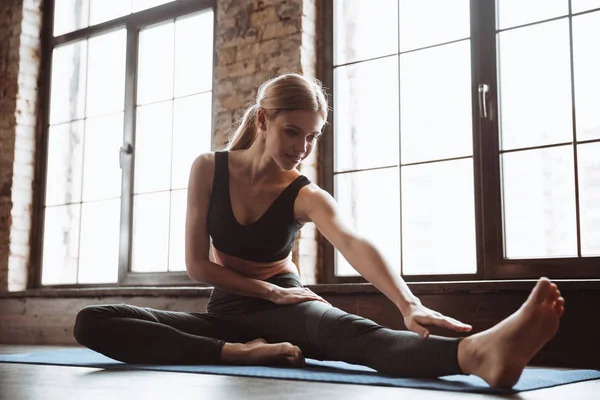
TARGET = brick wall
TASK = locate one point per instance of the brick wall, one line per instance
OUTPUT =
(20, 23)
(255, 40)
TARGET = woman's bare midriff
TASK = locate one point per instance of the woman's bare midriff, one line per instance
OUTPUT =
(253, 269)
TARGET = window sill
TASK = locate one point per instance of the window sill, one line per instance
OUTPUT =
(418, 288)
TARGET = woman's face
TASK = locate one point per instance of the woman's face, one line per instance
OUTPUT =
(291, 135)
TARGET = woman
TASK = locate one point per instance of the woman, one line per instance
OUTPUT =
(252, 202)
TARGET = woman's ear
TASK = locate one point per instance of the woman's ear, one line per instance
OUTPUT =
(261, 120)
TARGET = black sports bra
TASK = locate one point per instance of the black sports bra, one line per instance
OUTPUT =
(270, 238)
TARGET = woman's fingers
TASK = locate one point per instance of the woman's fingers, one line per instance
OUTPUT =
(419, 330)
(316, 296)
(450, 323)
(444, 322)
(459, 325)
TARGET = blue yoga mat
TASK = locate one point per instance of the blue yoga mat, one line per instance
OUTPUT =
(319, 371)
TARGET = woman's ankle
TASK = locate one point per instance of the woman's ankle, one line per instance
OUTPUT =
(232, 352)
(467, 355)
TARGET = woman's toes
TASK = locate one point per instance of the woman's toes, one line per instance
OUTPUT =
(559, 305)
(541, 290)
(555, 294)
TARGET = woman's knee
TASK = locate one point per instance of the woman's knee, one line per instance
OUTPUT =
(87, 318)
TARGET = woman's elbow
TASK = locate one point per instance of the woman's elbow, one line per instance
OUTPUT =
(196, 270)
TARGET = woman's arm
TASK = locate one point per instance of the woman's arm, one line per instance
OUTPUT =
(198, 265)
(319, 207)
(316, 205)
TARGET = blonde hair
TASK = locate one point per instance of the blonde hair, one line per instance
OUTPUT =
(286, 92)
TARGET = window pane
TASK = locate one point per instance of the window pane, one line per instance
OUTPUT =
(362, 31)
(429, 22)
(139, 5)
(583, 5)
(155, 71)
(99, 254)
(366, 114)
(519, 12)
(535, 89)
(435, 103)
(539, 203)
(101, 171)
(588, 157)
(67, 99)
(586, 41)
(61, 245)
(191, 135)
(105, 10)
(70, 15)
(64, 169)
(150, 232)
(438, 218)
(194, 54)
(177, 238)
(153, 147)
(106, 75)
(370, 200)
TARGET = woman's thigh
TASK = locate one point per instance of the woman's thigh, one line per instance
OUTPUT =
(194, 323)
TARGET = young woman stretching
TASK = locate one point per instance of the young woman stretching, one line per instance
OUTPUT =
(252, 202)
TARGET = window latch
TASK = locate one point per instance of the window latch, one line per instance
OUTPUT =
(123, 151)
(484, 93)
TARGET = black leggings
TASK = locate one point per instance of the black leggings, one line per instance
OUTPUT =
(142, 335)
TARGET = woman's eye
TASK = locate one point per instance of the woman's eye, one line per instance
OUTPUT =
(292, 132)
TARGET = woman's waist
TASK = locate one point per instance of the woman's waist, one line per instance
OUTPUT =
(253, 269)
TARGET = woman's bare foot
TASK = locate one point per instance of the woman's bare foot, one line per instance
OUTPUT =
(499, 354)
(259, 352)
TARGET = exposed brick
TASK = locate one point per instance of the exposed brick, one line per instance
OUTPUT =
(19, 250)
(279, 29)
(224, 119)
(260, 4)
(230, 40)
(289, 10)
(238, 69)
(258, 19)
(19, 236)
(227, 56)
(246, 51)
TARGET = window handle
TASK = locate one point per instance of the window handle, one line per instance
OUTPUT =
(124, 150)
(484, 92)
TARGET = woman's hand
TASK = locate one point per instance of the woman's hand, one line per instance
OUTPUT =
(417, 317)
(294, 295)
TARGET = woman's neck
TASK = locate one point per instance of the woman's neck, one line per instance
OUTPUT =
(257, 166)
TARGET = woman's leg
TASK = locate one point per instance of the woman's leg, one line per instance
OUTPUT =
(142, 335)
(497, 355)
(328, 333)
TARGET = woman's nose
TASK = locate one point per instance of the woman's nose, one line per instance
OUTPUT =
(301, 147)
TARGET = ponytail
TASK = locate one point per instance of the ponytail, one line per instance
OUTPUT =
(245, 134)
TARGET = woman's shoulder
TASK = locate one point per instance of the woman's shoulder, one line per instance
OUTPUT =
(313, 201)
(203, 167)
(311, 192)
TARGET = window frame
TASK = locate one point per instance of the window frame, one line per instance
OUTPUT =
(133, 23)
(491, 264)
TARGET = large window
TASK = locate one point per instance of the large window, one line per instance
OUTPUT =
(130, 96)
(465, 135)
